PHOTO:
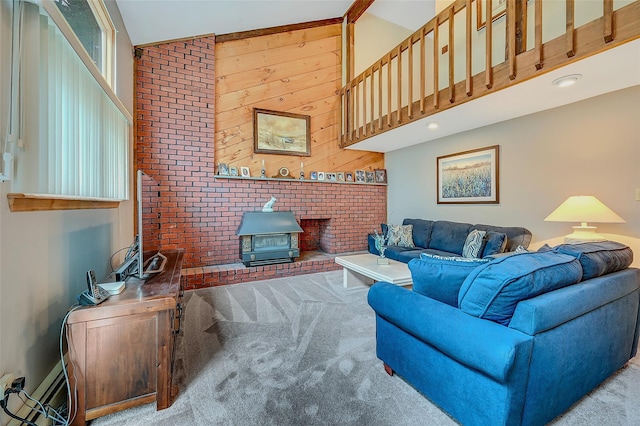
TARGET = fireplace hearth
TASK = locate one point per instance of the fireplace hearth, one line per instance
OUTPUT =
(268, 237)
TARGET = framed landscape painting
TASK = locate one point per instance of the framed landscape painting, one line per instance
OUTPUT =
(469, 177)
(281, 133)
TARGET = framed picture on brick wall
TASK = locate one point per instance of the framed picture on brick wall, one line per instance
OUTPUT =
(281, 133)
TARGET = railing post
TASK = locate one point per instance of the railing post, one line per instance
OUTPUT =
(608, 21)
(452, 84)
(436, 63)
(488, 72)
(468, 76)
(538, 34)
(511, 38)
(570, 28)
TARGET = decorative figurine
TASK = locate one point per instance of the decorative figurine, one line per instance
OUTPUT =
(268, 207)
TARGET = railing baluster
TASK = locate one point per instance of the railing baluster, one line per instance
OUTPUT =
(410, 91)
(570, 28)
(399, 91)
(380, 96)
(608, 21)
(364, 104)
(488, 72)
(468, 77)
(511, 38)
(422, 70)
(372, 122)
(389, 89)
(436, 63)
(357, 109)
(452, 84)
(538, 34)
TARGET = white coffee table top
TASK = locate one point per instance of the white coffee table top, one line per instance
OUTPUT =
(366, 264)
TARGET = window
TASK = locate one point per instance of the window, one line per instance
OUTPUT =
(93, 28)
(72, 131)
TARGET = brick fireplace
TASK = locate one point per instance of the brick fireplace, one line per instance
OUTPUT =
(335, 218)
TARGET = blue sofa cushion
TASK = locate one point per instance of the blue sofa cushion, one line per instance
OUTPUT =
(516, 235)
(421, 231)
(493, 290)
(599, 258)
(474, 244)
(496, 243)
(440, 277)
(449, 236)
(400, 235)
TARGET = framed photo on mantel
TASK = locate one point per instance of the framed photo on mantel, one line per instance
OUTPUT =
(281, 133)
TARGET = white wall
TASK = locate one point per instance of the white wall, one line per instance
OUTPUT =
(44, 255)
(590, 147)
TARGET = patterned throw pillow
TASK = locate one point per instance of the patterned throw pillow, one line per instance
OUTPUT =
(474, 244)
(400, 235)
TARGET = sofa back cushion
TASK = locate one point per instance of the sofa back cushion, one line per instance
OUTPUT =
(421, 231)
(516, 236)
(449, 236)
(599, 258)
(495, 243)
(440, 277)
(493, 290)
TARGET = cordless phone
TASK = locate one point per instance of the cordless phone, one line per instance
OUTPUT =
(94, 294)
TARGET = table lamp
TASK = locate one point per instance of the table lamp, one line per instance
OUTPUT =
(583, 209)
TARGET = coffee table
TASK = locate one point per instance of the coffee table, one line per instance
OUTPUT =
(363, 269)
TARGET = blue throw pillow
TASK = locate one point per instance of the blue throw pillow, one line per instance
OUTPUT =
(440, 277)
(599, 258)
(496, 242)
(492, 291)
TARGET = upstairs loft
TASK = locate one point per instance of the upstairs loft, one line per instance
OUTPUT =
(528, 44)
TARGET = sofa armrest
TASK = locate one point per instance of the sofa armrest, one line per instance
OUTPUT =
(480, 344)
(554, 308)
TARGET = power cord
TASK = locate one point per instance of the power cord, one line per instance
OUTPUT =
(16, 387)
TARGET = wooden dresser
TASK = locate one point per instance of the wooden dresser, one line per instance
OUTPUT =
(122, 351)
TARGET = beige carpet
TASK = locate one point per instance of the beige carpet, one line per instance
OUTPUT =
(301, 351)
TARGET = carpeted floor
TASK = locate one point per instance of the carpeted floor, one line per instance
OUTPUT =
(301, 351)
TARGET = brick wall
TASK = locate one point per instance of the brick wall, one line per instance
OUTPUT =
(200, 212)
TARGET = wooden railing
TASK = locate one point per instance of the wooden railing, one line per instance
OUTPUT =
(405, 84)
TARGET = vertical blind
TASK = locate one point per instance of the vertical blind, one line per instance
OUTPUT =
(81, 146)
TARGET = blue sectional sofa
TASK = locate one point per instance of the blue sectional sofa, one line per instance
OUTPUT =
(448, 239)
(528, 335)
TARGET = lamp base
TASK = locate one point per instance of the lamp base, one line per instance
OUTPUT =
(583, 234)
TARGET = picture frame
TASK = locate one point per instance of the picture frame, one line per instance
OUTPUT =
(360, 178)
(499, 9)
(348, 176)
(314, 176)
(320, 175)
(233, 171)
(381, 175)
(277, 132)
(369, 176)
(478, 168)
(245, 172)
(331, 177)
(223, 169)
(340, 176)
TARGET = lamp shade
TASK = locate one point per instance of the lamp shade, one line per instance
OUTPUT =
(583, 208)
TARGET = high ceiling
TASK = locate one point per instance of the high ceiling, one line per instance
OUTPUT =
(149, 21)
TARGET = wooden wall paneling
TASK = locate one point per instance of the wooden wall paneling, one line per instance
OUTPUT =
(299, 72)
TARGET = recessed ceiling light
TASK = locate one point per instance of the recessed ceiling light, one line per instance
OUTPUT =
(567, 80)
(433, 125)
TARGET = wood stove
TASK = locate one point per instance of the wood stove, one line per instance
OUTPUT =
(268, 237)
